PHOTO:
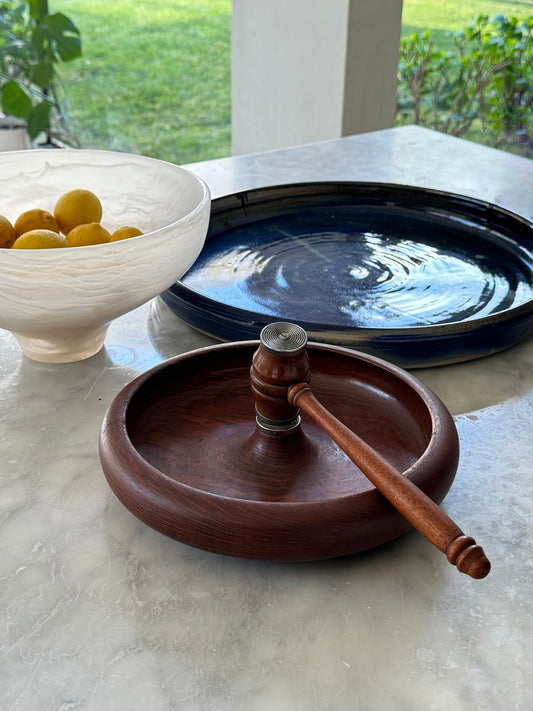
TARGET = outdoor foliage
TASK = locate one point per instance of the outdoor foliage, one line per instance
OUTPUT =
(486, 81)
(33, 43)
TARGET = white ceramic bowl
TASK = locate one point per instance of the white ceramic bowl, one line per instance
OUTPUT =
(59, 302)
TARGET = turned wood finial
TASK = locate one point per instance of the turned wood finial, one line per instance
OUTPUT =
(468, 557)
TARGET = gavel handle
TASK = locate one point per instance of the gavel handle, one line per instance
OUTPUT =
(414, 505)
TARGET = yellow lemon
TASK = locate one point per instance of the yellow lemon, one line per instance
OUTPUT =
(125, 233)
(7, 233)
(90, 233)
(77, 207)
(35, 219)
(40, 239)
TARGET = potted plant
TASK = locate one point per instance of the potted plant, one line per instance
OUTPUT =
(33, 44)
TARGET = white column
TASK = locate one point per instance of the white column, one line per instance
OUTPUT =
(310, 70)
(374, 32)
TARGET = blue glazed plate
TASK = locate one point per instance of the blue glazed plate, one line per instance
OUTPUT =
(418, 277)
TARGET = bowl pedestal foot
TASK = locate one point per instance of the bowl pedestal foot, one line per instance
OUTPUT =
(63, 346)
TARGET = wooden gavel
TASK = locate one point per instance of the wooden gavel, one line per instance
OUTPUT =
(280, 376)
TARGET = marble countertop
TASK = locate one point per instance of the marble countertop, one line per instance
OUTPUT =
(99, 612)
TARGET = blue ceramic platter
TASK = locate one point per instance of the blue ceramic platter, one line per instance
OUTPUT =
(415, 276)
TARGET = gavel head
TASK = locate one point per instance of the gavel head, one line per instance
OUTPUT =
(280, 361)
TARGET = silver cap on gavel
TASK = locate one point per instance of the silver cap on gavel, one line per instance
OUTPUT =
(283, 338)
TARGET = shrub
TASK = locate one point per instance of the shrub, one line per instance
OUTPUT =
(486, 81)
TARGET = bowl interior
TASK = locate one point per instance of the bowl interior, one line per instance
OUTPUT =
(134, 190)
(180, 408)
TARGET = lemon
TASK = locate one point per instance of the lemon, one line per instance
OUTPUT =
(90, 233)
(40, 239)
(77, 207)
(35, 219)
(125, 233)
(7, 233)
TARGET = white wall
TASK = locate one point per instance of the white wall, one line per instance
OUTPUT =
(309, 70)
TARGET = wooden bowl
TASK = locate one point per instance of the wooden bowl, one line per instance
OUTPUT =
(180, 449)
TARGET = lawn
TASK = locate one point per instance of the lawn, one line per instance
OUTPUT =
(155, 75)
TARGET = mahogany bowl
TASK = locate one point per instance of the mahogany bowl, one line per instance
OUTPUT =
(180, 449)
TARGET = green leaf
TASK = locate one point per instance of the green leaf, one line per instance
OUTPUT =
(15, 101)
(39, 119)
(65, 34)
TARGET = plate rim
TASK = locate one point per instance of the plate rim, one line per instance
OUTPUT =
(179, 293)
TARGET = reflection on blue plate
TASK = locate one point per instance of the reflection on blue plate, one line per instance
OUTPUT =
(416, 276)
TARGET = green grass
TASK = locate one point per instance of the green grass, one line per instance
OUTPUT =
(155, 75)
(154, 78)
